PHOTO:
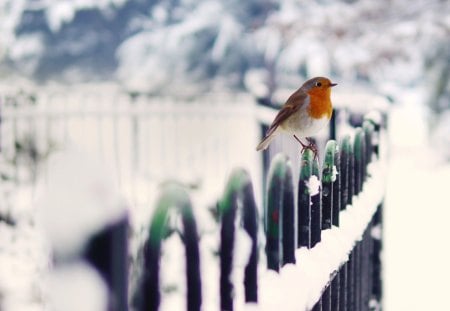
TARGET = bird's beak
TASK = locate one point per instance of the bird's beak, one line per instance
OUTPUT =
(333, 84)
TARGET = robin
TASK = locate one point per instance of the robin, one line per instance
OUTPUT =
(305, 112)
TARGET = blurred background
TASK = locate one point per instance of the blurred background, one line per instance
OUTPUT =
(162, 90)
(184, 48)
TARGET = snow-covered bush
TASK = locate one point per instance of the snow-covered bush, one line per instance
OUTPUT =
(186, 47)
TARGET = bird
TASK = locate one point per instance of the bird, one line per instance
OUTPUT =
(306, 112)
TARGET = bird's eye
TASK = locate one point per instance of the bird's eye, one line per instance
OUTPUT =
(319, 84)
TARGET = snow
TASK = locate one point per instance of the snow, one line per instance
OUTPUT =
(78, 200)
(414, 228)
(63, 12)
(357, 101)
(10, 14)
(26, 48)
(173, 271)
(416, 269)
(313, 185)
(210, 270)
(191, 46)
(24, 255)
(170, 45)
(377, 232)
(298, 287)
(242, 251)
(60, 13)
(76, 286)
(289, 40)
(334, 174)
(439, 133)
(374, 116)
(255, 81)
(228, 32)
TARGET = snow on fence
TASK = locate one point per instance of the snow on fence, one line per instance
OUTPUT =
(323, 244)
(316, 245)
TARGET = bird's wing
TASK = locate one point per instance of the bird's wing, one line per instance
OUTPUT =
(294, 102)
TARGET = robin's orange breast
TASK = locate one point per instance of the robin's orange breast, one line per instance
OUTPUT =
(320, 104)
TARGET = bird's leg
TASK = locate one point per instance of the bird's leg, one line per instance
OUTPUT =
(311, 145)
(303, 145)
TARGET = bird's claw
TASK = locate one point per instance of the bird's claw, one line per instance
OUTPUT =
(311, 146)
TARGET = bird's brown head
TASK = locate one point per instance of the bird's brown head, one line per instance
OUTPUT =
(319, 86)
(319, 91)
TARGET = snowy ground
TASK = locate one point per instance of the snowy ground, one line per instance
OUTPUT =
(416, 251)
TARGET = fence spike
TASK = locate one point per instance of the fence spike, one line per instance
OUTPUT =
(336, 186)
(359, 156)
(288, 220)
(328, 177)
(250, 220)
(107, 251)
(238, 189)
(368, 133)
(351, 174)
(304, 200)
(148, 294)
(279, 214)
(344, 172)
(315, 188)
(274, 211)
(377, 119)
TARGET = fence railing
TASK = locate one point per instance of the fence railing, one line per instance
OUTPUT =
(294, 226)
(328, 217)
(147, 296)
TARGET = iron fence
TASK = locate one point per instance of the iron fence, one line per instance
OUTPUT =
(304, 202)
(294, 221)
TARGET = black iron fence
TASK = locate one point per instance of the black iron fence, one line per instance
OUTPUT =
(294, 216)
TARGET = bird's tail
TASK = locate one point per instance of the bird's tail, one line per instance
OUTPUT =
(266, 141)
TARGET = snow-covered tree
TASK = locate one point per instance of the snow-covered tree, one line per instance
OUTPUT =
(183, 47)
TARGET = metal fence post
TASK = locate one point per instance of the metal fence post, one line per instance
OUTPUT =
(107, 251)
(274, 212)
(280, 214)
(148, 294)
(316, 204)
(304, 201)
(289, 224)
(327, 185)
(359, 158)
(238, 189)
(336, 186)
(344, 171)
(251, 227)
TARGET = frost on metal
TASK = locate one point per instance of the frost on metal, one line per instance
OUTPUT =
(334, 174)
(376, 232)
(313, 185)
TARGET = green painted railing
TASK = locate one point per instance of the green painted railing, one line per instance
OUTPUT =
(238, 193)
(294, 216)
(148, 295)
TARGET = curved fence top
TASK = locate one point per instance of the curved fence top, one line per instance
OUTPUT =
(238, 193)
(148, 293)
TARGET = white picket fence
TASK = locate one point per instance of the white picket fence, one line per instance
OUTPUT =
(144, 140)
